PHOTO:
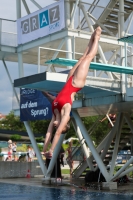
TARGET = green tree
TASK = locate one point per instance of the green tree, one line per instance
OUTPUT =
(12, 122)
(15, 137)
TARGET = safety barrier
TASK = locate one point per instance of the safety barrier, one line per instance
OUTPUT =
(19, 169)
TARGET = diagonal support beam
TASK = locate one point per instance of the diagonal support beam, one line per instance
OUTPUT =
(56, 53)
(90, 144)
(101, 25)
(114, 156)
(10, 80)
(26, 6)
(73, 12)
(38, 154)
(129, 121)
(130, 161)
(83, 145)
(92, 29)
(36, 4)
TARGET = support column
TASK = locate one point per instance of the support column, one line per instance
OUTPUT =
(18, 9)
(117, 141)
(122, 34)
(27, 126)
(0, 32)
(67, 13)
(33, 141)
(90, 145)
(83, 145)
(68, 48)
(20, 64)
(67, 23)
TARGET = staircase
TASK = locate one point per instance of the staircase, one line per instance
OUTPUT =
(109, 17)
(125, 137)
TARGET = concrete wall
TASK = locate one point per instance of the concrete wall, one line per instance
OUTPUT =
(19, 169)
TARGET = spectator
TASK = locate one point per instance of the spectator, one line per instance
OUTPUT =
(14, 149)
(112, 118)
(31, 154)
(9, 150)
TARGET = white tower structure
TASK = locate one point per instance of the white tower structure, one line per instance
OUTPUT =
(105, 92)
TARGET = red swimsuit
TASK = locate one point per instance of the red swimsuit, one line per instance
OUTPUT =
(64, 96)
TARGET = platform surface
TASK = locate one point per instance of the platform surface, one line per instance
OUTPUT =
(54, 82)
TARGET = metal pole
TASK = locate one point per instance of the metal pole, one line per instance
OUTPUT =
(33, 141)
(90, 145)
(68, 48)
(122, 34)
(117, 140)
(33, 1)
(67, 14)
(8, 74)
(0, 33)
(129, 121)
(73, 47)
(26, 7)
(130, 22)
(20, 63)
(18, 9)
(56, 52)
(73, 12)
(83, 145)
(38, 60)
(123, 168)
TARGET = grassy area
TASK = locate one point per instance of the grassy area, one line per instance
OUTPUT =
(65, 171)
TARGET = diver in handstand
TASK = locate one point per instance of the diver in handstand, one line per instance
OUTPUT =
(61, 105)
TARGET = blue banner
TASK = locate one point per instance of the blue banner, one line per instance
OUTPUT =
(34, 105)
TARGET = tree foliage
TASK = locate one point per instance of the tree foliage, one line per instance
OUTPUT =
(12, 122)
(15, 137)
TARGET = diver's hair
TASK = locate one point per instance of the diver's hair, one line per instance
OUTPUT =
(68, 124)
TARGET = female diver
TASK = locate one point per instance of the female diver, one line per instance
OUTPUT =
(61, 105)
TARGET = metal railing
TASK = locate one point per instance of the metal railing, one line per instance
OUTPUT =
(8, 33)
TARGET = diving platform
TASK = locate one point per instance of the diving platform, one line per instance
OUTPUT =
(93, 99)
(93, 65)
(128, 39)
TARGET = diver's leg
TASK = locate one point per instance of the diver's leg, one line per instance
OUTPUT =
(81, 72)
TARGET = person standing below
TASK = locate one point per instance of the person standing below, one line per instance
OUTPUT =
(9, 150)
(31, 154)
(112, 117)
(14, 149)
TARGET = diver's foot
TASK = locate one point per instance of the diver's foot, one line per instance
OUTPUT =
(97, 32)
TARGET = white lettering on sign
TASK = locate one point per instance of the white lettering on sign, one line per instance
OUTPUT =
(39, 112)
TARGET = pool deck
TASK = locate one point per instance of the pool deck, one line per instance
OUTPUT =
(68, 184)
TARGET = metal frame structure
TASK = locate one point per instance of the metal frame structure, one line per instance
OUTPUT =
(70, 43)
